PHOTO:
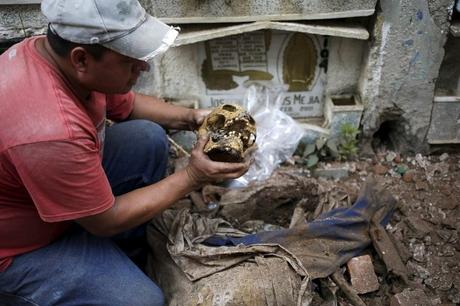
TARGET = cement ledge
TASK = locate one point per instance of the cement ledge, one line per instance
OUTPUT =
(331, 29)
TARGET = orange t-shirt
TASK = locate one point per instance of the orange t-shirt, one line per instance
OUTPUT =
(50, 151)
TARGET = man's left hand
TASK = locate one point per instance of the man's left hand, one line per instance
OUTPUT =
(197, 117)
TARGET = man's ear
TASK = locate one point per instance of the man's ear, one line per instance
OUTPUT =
(79, 59)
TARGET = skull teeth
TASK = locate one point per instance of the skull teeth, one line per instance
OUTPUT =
(234, 120)
(252, 138)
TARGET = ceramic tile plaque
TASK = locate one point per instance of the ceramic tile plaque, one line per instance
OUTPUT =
(293, 64)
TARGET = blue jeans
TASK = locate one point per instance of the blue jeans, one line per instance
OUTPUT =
(80, 268)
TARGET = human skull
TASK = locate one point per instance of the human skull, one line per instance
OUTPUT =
(231, 132)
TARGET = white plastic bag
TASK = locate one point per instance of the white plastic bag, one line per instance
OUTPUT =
(277, 133)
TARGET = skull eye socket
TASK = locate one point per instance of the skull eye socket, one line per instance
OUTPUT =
(251, 120)
(216, 121)
(229, 108)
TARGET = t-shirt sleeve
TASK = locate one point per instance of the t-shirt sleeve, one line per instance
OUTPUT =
(120, 106)
(65, 179)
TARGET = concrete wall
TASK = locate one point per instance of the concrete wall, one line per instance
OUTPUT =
(394, 71)
(345, 61)
(180, 73)
(401, 67)
(205, 11)
(20, 21)
(448, 83)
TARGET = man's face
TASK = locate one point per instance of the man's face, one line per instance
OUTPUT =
(113, 73)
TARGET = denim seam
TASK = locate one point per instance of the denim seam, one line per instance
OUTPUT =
(20, 297)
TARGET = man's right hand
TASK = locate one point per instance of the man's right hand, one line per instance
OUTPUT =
(201, 169)
(139, 206)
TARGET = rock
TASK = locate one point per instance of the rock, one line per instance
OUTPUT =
(410, 297)
(422, 162)
(447, 251)
(443, 157)
(390, 156)
(362, 274)
(418, 270)
(394, 173)
(439, 281)
(398, 159)
(418, 250)
(331, 173)
(186, 139)
(351, 167)
(450, 202)
(380, 169)
(401, 169)
(420, 227)
(409, 176)
(446, 189)
(421, 185)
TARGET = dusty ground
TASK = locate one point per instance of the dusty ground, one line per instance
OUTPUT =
(425, 225)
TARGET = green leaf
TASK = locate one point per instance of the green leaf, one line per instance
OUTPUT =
(401, 169)
(332, 146)
(320, 142)
(312, 160)
(309, 149)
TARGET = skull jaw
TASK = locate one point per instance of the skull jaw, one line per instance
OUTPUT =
(219, 155)
(225, 150)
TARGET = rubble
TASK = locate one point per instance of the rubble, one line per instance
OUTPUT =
(410, 298)
(415, 259)
(363, 278)
(409, 176)
(387, 252)
(349, 291)
(379, 169)
(331, 173)
(443, 157)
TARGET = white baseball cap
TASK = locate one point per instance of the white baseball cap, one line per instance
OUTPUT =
(120, 25)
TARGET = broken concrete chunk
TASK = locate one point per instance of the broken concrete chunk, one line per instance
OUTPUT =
(443, 157)
(379, 169)
(419, 226)
(409, 176)
(331, 173)
(410, 297)
(362, 274)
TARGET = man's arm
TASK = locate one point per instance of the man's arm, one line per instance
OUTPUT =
(139, 206)
(165, 114)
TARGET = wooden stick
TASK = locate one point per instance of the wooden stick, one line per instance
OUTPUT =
(347, 289)
(178, 146)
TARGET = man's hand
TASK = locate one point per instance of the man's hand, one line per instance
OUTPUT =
(197, 117)
(202, 170)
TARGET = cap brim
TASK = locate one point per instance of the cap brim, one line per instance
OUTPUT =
(151, 38)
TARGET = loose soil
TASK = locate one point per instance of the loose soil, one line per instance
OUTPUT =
(425, 226)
